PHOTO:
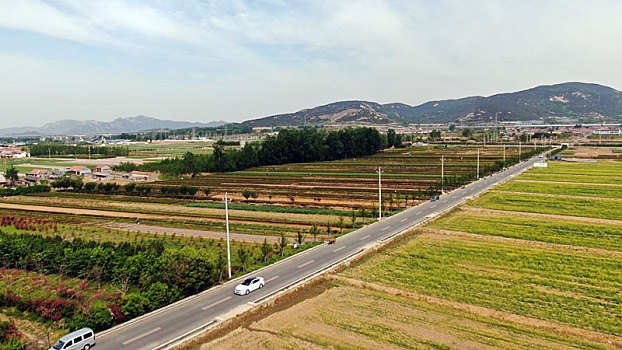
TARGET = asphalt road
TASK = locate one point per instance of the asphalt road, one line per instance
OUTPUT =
(163, 327)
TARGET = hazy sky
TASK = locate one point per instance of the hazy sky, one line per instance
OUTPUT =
(236, 60)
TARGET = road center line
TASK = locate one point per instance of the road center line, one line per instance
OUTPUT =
(433, 205)
(272, 279)
(141, 336)
(385, 228)
(305, 264)
(216, 303)
(404, 219)
(338, 249)
(362, 238)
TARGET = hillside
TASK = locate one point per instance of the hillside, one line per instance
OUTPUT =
(552, 103)
(130, 124)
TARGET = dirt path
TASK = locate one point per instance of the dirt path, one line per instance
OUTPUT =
(486, 312)
(121, 214)
(568, 183)
(545, 216)
(556, 195)
(439, 232)
(244, 237)
(165, 209)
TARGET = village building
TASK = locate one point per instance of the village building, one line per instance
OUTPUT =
(13, 153)
(3, 181)
(143, 176)
(103, 169)
(78, 170)
(36, 175)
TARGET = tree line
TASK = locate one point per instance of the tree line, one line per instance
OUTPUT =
(56, 149)
(288, 146)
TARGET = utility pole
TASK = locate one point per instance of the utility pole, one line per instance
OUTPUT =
(442, 175)
(228, 245)
(379, 194)
(504, 152)
(519, 150)
(478, 163)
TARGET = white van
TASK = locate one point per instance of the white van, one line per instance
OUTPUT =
(82, 339)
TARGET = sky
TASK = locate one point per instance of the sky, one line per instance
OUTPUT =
(236, 60)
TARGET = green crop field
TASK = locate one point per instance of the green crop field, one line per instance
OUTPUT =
(595, 235)
(562, 285)
(587, 207)
(602, 168)
(595, 190)
(615, 180)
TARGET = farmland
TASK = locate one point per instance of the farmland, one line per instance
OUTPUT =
(283, 199)
(588, 207)
(282, 203)
(614, 180)
(586, 234)
(596, 190)
(500, 272)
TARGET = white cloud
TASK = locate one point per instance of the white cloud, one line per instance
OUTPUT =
(242, 59)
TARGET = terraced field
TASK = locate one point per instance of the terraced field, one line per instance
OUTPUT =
(292, 197)
(507, 271)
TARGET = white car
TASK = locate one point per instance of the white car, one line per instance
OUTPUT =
(249, 285)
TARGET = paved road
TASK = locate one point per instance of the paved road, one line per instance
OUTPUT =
(164, 326)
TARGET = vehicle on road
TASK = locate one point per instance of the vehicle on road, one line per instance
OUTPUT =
(82, 339)
(249, 285)
(434, 199)
(332, 240)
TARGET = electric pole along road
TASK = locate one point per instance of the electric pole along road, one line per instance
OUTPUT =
(167, 326)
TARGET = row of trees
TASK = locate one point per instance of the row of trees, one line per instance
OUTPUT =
(55, 149)
(289, 146)
(75, 183)
(159, 276)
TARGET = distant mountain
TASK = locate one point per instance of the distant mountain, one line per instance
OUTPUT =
(550, 103)
(119, 125)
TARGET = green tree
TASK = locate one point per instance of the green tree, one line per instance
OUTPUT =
(468, 133)
(243, 257)
(134, 305)
(353, 217)
(265, 250)
(314, 232)
(129, 188)
(11, 174)
(391, 138)
(374, 212)
(283, 243)
(101, 317)
(340, 224)
(363, 214)
(246, 194)
(300, 237)
(221, 263)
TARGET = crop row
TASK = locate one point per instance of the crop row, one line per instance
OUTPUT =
(602, 168)
(563, 285)
(595, 235)
(587, 207)
(595, 190)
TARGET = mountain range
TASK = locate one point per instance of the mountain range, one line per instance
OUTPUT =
(578, 102)
(565, 103)
(119, 125)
